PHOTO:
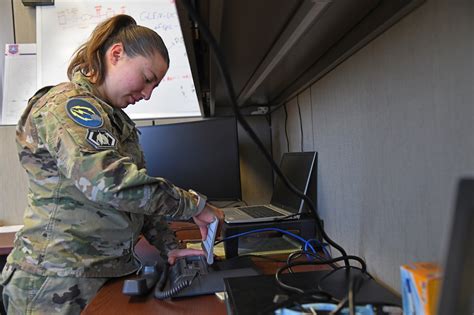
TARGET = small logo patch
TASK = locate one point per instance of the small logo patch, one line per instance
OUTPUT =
(101, 139)
(13, 49)
(84, 113)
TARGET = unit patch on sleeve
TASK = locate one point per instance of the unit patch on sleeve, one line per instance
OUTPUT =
(101, 139)
(83, 113)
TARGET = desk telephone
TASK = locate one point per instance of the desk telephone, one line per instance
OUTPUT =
(189, 276)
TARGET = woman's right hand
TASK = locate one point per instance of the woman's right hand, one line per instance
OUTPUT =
(207, 216)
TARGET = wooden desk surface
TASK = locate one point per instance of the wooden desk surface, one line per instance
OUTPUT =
(6, 240)
(110, 299)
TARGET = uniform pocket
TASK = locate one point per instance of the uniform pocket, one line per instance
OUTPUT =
(7, 274)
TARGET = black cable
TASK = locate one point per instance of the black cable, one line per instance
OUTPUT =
(286, 130)
(245, 125)
(311, 106)
(300, 253)
(301, 123)
(327, 262)
(310, 263)
(269, 120)
(162, 294)
(344, 267)
(13, 20)
(354, 286)
(290, 257)
(288, 287)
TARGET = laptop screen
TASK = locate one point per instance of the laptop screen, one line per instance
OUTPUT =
(297, 167)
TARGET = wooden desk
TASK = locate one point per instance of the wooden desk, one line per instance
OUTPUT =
(110, 299)
(7, 236)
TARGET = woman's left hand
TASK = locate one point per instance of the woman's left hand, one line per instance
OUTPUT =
(177, 253)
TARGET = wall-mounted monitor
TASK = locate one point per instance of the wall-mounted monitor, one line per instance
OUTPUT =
(202, 155)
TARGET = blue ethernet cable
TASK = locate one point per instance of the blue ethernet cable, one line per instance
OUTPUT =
(322, 245)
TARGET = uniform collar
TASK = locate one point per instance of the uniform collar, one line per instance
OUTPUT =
(117, 115)
(83, 83)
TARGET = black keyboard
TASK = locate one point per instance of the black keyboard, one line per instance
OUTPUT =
(260, 211)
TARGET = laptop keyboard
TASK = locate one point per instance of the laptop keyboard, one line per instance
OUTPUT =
(260, 211)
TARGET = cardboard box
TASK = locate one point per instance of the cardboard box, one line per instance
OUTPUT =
(420, 288)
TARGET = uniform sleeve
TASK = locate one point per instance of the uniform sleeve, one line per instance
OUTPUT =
(104, 176)
(158, 233)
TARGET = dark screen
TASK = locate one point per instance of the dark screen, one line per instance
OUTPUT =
(457, 293)
(201, 155)
(297, 167)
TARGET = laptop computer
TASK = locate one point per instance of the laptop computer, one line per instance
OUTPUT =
(297, 167)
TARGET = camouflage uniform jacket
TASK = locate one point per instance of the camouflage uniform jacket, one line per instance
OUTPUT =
(89, 195)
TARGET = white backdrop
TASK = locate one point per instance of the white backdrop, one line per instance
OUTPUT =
(20, 81)
(62, 28)
(6, 37)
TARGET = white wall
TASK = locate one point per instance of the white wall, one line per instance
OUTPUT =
(12, 181)
(393, 126)
(6, 37)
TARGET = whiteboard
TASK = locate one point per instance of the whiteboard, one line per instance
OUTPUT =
(19, 81)
(62, 28)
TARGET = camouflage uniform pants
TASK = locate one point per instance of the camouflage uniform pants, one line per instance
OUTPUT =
(25, 293)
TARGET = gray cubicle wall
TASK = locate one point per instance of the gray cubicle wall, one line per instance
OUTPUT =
(393, 126)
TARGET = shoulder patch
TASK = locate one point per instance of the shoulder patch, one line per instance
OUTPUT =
(101, 139)
(84, 113)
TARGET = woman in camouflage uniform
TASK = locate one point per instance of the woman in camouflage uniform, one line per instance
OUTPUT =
(89, 195)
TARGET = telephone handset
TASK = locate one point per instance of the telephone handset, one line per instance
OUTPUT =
(191, 275)
(182, 274)
(188, 270)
